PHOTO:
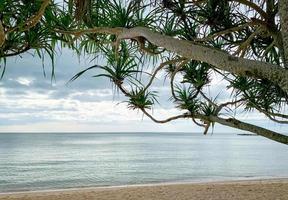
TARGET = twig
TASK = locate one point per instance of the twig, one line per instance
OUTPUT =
(173, 76)
(159, 68)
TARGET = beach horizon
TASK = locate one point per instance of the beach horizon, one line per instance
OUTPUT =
(272, 188)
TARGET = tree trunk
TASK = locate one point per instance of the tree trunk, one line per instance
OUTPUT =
(283, 10)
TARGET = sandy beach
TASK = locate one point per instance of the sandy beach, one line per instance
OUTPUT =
(276, 189)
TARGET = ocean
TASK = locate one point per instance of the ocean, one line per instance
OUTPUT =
(46, 161)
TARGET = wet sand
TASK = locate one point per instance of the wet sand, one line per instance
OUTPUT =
(274, 189)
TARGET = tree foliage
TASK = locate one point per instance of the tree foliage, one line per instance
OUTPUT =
(192, 42)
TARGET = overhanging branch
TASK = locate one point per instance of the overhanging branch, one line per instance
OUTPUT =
(231, 122)
(187, 49)
(217, 58)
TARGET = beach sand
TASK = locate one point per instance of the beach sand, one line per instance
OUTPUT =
(244, 190)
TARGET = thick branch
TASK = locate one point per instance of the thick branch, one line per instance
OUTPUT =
(283, 9)
(217, 58)
(251, 128)
(190, 50)
(231, 122)
(100, 30)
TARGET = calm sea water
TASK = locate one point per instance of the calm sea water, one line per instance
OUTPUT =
(54, 161)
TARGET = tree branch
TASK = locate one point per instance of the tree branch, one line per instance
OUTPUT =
(226, 31)
(283, 10)
(231, 122)
(217, 58)
(173, 76)
(274, 119)
(187, 49)
(159, 68)
(254, 6)
(245, 45)
(32, 21)
(15, 53)
(278, 115)
(221, 106)
(185, 115)
(101, 30)
(2, 34)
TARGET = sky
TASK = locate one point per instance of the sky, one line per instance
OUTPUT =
(30, 102)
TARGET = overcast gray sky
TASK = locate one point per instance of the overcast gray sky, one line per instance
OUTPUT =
(31, 103)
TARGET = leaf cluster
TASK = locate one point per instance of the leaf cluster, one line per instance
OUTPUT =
(141, 99)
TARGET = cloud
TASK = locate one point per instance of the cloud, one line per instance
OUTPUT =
(31, 102)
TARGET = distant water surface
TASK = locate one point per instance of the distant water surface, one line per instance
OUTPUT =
(64, 160)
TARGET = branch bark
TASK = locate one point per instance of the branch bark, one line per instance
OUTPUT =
(251, 128)
(217, 58)
(231, 122)
(2, 34)
(187, 49)
(283, 10)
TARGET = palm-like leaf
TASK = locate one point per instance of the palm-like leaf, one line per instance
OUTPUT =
(140, 99)
(186, 99)
(196, 73)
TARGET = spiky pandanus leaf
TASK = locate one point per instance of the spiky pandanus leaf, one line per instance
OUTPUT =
(141, 99)
(187, 99)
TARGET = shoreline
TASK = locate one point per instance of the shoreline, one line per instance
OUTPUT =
(177, 182)
(275, 187)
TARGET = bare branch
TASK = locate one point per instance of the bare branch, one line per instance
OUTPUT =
(190, 50)
(221, 106)
(245, 45)
(250, 4)
(32, 21)
(274, 119)
(15, 53)
(185, 115)
(207, 99)
(226, 31)
(278, 115)
(173, 76)
(219, 59)
(101, 30)
(161, 67)
(231, 122)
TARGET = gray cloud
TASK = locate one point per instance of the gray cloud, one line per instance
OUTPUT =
(30, 101)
